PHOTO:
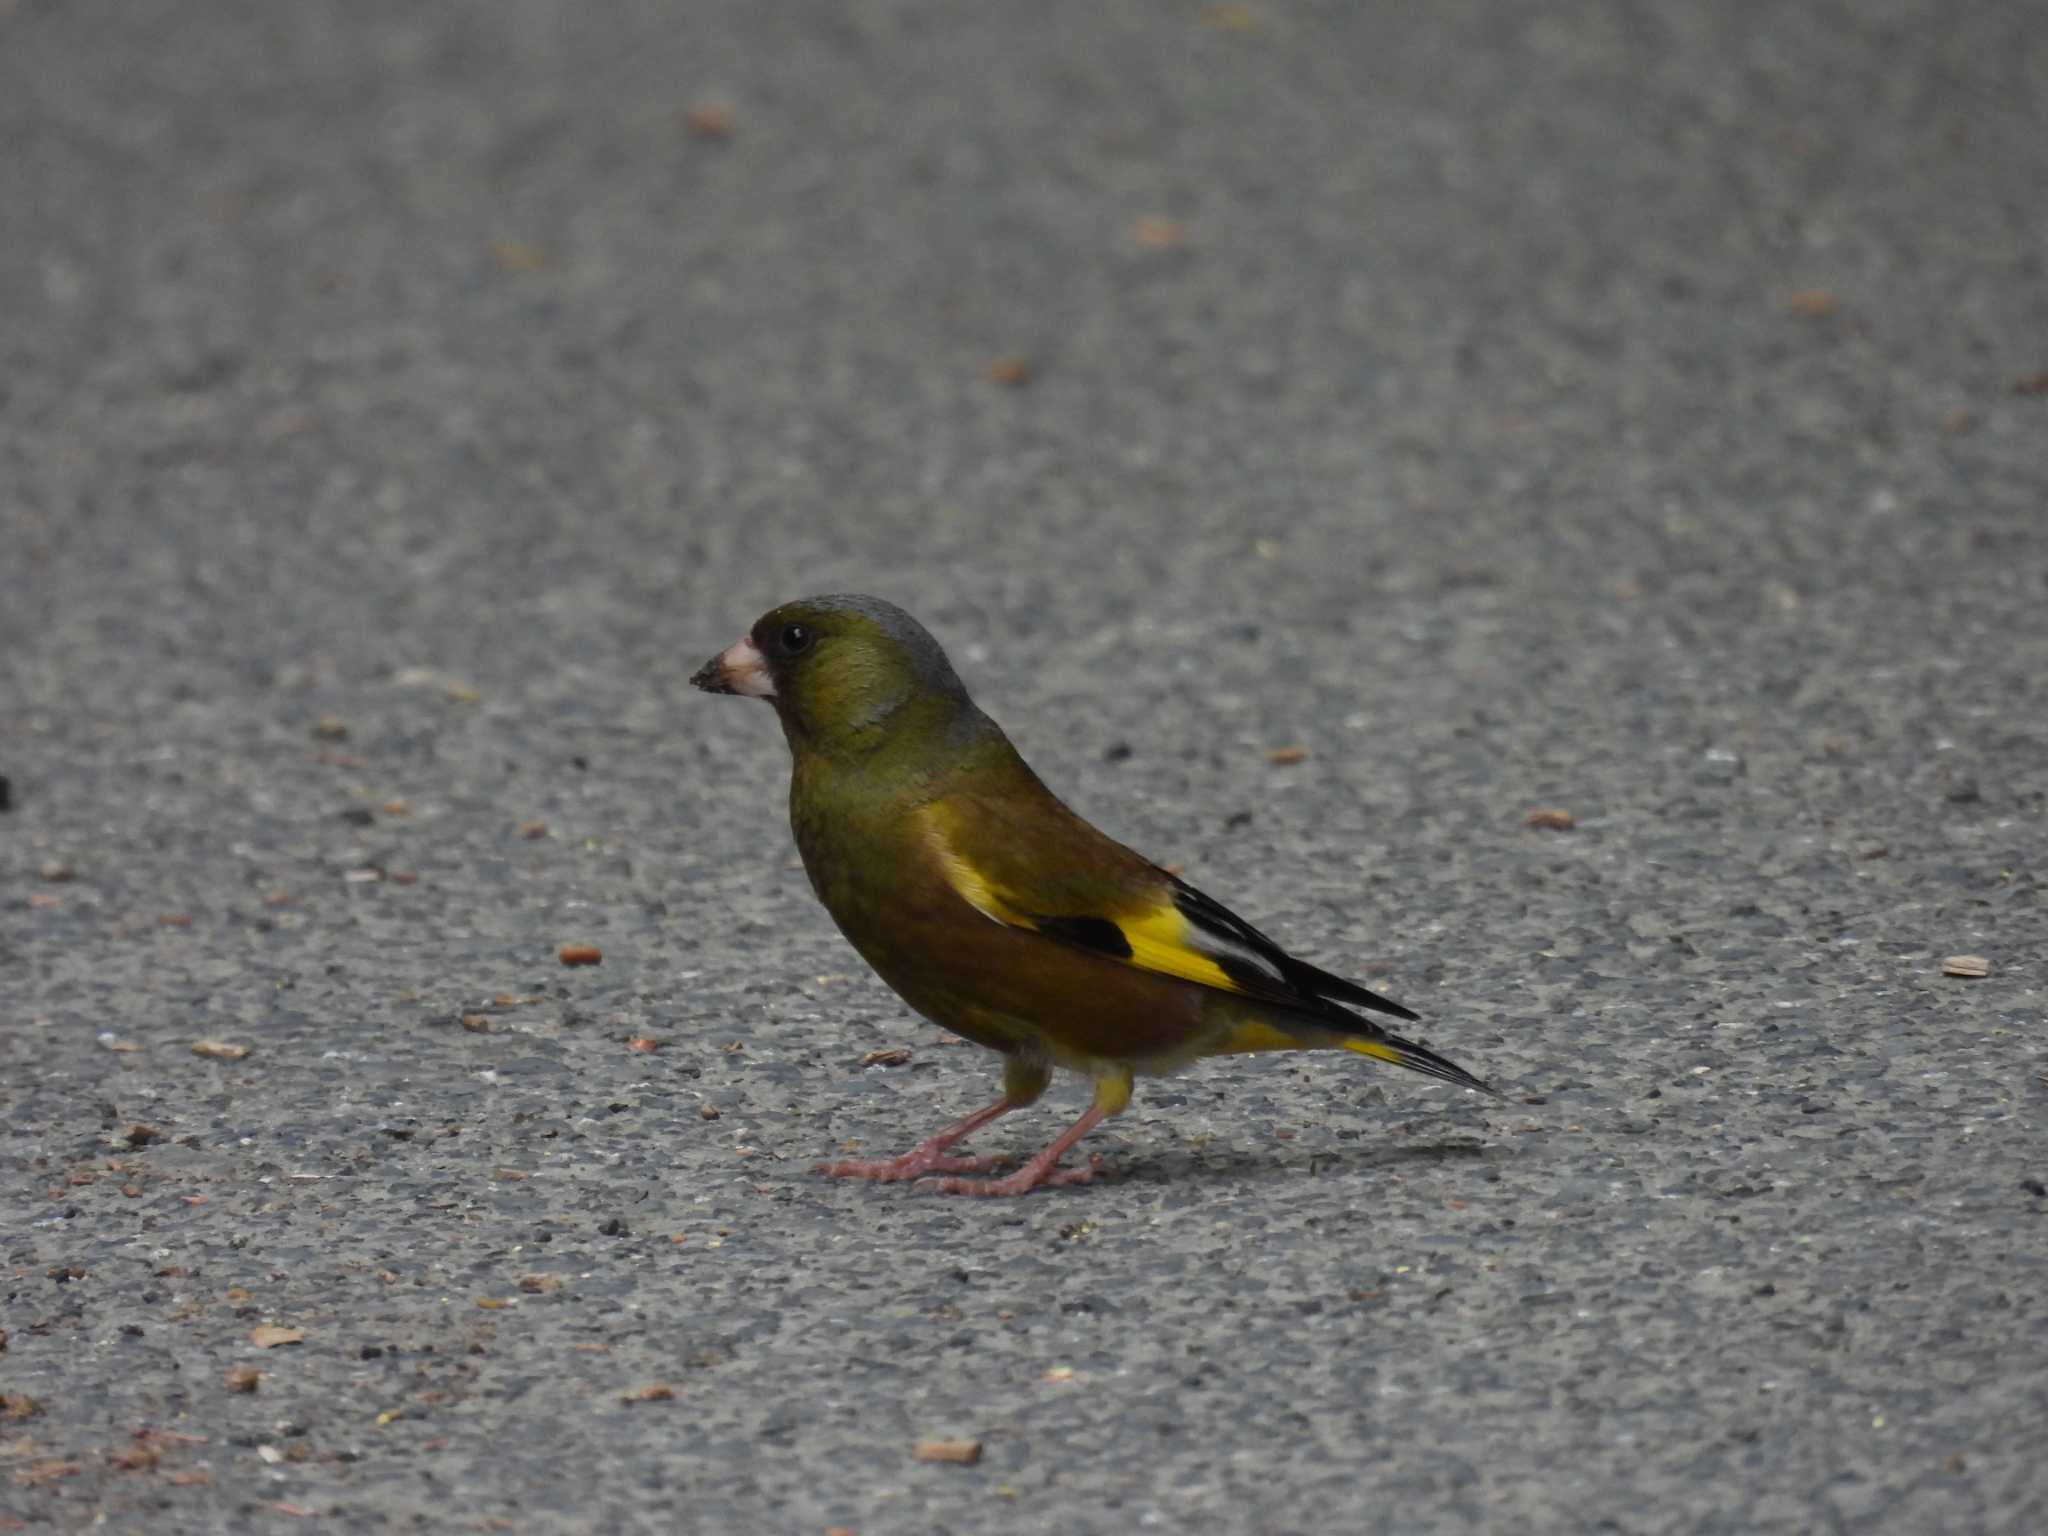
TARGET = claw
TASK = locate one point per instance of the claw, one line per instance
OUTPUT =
(1023, 1181)
(911, 1165)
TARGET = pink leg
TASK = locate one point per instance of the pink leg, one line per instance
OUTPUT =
(927, 1156)
(1042, 1169)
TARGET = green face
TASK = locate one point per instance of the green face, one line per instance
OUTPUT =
(843, 672)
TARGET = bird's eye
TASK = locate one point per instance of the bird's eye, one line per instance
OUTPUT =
(796, 639)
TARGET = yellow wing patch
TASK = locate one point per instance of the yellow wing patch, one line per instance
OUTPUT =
(1159, 937)
(1159, 942)
(971, 884)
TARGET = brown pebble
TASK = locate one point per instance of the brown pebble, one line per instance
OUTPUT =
(1956, 423)
(1154, 233)
(1231, 18)
(477, 1023)
(1812, 303)
(56, 872)
(645, 1044)
(1008, 370)
(404, 877)
(270, 1336)
(330, 728)
(242, 1378)
(139, 1135)
(1966, 965)
(887, 1056)
(579, 954)
(2031, 384)
(1551, 819)
(961, 1452)
(707, 1112)
(219, 1050)
(1286, 757)
(708, 120)
(659, 1392)
(533, 831)
(515, 256)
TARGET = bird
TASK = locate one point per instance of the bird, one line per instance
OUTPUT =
(997, 912)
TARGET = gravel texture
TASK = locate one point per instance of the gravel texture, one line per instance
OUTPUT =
(1639, 411)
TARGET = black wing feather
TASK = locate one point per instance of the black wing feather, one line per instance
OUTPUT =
(1267, 970)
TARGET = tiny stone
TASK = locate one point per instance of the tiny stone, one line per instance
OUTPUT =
(708, 120)
(56, 871)
(1718, 765)
(961, 1452)
(1966, 965)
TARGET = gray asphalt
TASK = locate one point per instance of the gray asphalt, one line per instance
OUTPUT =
(1632, 410)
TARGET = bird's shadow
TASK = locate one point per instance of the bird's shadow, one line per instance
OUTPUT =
(1243, 1163)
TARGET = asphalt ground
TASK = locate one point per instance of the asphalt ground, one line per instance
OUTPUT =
(1631, 410)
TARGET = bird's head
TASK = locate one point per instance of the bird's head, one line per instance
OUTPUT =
(844, 672)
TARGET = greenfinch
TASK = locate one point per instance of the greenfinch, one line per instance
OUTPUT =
(995, 911)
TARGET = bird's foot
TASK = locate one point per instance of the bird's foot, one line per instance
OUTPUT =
(1025, 1179)
(914, 1164)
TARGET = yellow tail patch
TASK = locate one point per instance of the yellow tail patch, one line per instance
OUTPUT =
(1375, 1050)
(1255, 1036)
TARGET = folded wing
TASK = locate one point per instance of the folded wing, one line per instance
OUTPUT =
(1065, 880)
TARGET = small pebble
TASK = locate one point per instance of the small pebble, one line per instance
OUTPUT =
(1718, 765)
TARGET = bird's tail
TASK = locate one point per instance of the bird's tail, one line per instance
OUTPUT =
(1268, 1034)
(1416, 1058)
